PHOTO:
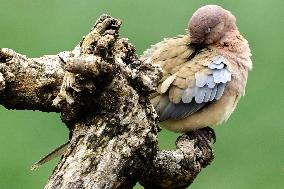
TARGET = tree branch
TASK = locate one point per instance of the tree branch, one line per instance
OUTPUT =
(29, 83)
(102, 91)
(178, 168)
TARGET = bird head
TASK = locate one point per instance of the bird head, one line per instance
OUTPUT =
(210, 23)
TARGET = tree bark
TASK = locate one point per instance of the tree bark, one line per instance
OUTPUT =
(102, 91)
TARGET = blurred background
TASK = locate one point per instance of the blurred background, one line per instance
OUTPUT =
(250, 146)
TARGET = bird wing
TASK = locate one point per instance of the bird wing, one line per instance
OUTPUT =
(190, 81)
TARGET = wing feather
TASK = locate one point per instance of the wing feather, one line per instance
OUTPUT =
(188, 84)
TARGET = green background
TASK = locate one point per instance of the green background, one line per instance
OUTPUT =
(250, 146)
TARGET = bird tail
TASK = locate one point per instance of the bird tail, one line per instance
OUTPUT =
(55, 153)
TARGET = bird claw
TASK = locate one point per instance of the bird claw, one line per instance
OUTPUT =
(211, 133)
(204, 136)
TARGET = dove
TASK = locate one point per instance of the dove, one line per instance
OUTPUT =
(204, 71)
(204, 74)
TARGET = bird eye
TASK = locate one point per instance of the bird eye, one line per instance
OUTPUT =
(208, 30)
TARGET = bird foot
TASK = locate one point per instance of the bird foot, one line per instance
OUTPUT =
(204, 136)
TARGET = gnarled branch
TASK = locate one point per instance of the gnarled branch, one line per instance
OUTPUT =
(102, 91)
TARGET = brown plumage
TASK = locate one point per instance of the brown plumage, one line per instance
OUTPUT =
(204, 72)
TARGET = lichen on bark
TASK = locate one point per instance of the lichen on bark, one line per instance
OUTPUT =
(101, 89)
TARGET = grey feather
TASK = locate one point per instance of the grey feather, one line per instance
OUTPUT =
(221, 76)
(180, 110)
(219, 60)
(162, 104)
(188, 94)
(55, 153)
(228, 75)
(213, 93)
(220, 90)
(216, 66)
(207, 89)
(210, 82)
(207, 94)
(201, 79)
(200, 94)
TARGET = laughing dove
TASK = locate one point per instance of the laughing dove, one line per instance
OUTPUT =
(204, 72)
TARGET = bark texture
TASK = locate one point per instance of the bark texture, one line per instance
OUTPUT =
(102, 91)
